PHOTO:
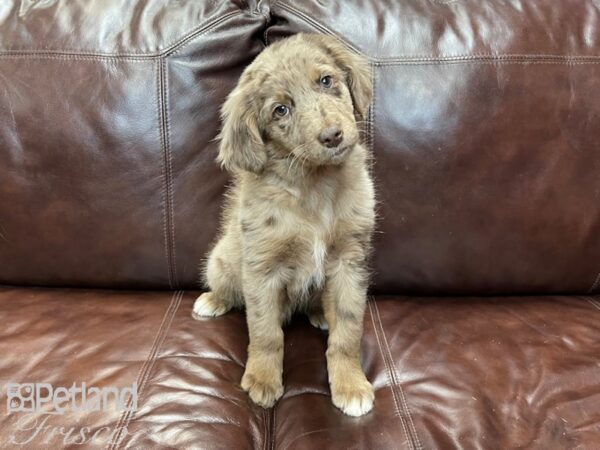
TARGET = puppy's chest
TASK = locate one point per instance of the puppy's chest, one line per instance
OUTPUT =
(314, 230)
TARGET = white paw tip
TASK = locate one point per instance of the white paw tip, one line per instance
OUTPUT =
(204, 307)
(358, 407)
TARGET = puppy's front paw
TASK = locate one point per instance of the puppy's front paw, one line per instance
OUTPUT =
(264, 391)
(354, 398)
(207, 305)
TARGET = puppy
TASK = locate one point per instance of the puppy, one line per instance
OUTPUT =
(299, 217)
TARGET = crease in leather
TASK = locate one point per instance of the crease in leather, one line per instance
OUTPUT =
(200, 357)
(146, 368)
(419, 59)
(399, 410)
(182, 43)
(317, 25)
(595, 285)
(168, 220)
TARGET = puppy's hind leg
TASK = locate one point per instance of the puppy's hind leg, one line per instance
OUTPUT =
(223, 279)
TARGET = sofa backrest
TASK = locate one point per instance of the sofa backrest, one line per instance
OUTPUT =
(485, 128)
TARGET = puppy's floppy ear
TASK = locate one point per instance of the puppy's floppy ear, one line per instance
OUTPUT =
(356, 68)
(241, 146)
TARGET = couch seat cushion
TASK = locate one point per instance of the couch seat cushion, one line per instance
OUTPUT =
(518, 372)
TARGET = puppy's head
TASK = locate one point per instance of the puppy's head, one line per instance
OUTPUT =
(300, 99)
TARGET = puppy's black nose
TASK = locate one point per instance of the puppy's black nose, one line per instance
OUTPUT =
(331, 137)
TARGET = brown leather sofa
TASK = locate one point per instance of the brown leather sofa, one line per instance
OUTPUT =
(483, 328)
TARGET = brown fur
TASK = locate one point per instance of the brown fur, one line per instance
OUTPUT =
(299, 217)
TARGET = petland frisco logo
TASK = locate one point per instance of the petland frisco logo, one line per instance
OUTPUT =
(43, 397)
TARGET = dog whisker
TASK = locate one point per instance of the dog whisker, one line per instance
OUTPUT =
(304, 159)
(298, 154)
(295, 158)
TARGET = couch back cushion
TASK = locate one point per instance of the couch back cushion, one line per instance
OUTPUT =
(108, 110)
(485, 128)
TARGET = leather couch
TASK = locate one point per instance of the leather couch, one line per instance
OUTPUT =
(483, 325)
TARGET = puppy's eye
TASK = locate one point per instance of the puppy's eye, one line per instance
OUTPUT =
(326, 81)
(281, 110)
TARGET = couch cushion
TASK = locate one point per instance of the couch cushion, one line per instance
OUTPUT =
(63, 337)
(448, 372)
(108, 111)
(485, 138)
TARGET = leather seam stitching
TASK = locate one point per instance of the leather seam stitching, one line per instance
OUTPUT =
(78, 57)
(488, 56)
(272, 426)
(492, 61)
(171, 188)
(164, 157)
(164, 332)
(571, 60)
(315, 24)
(146, 367)
(199, 32)
(165, 51)
(389, 376)
(265, 415)
(444, 2)
(397, 379)
(595, 285)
